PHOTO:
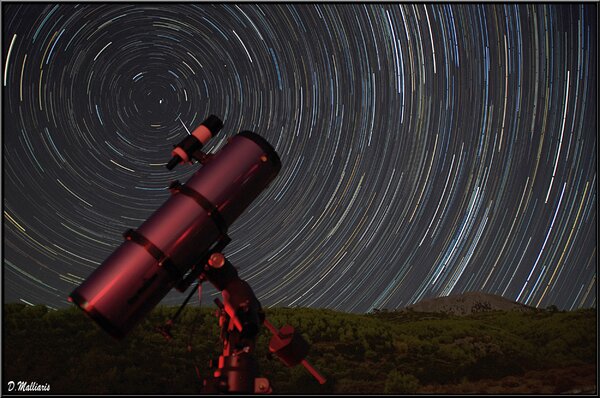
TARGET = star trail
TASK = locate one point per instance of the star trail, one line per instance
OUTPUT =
(427, 149)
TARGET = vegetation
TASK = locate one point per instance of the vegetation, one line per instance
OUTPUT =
(382, 352)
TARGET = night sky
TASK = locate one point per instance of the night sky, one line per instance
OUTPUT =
(427, 150)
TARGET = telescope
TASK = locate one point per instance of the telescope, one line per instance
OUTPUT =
(182, 242)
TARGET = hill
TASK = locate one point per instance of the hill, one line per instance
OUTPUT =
(385, 352)
(468, 303)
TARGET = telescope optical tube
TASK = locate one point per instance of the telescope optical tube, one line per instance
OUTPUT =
(153, 258)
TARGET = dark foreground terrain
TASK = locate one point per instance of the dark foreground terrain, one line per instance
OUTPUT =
(491, 352)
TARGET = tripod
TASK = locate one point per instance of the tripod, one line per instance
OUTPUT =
(240, 316)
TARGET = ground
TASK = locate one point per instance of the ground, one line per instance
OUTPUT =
(570, 380)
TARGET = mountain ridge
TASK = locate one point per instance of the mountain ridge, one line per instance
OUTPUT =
(468, 303)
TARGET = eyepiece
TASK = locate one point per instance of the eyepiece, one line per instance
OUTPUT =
(173, 162)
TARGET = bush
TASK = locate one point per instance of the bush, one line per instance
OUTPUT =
(401, 383)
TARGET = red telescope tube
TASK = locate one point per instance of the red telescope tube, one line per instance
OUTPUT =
(156, 256)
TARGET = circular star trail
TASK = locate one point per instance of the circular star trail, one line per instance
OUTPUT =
(427, 150)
